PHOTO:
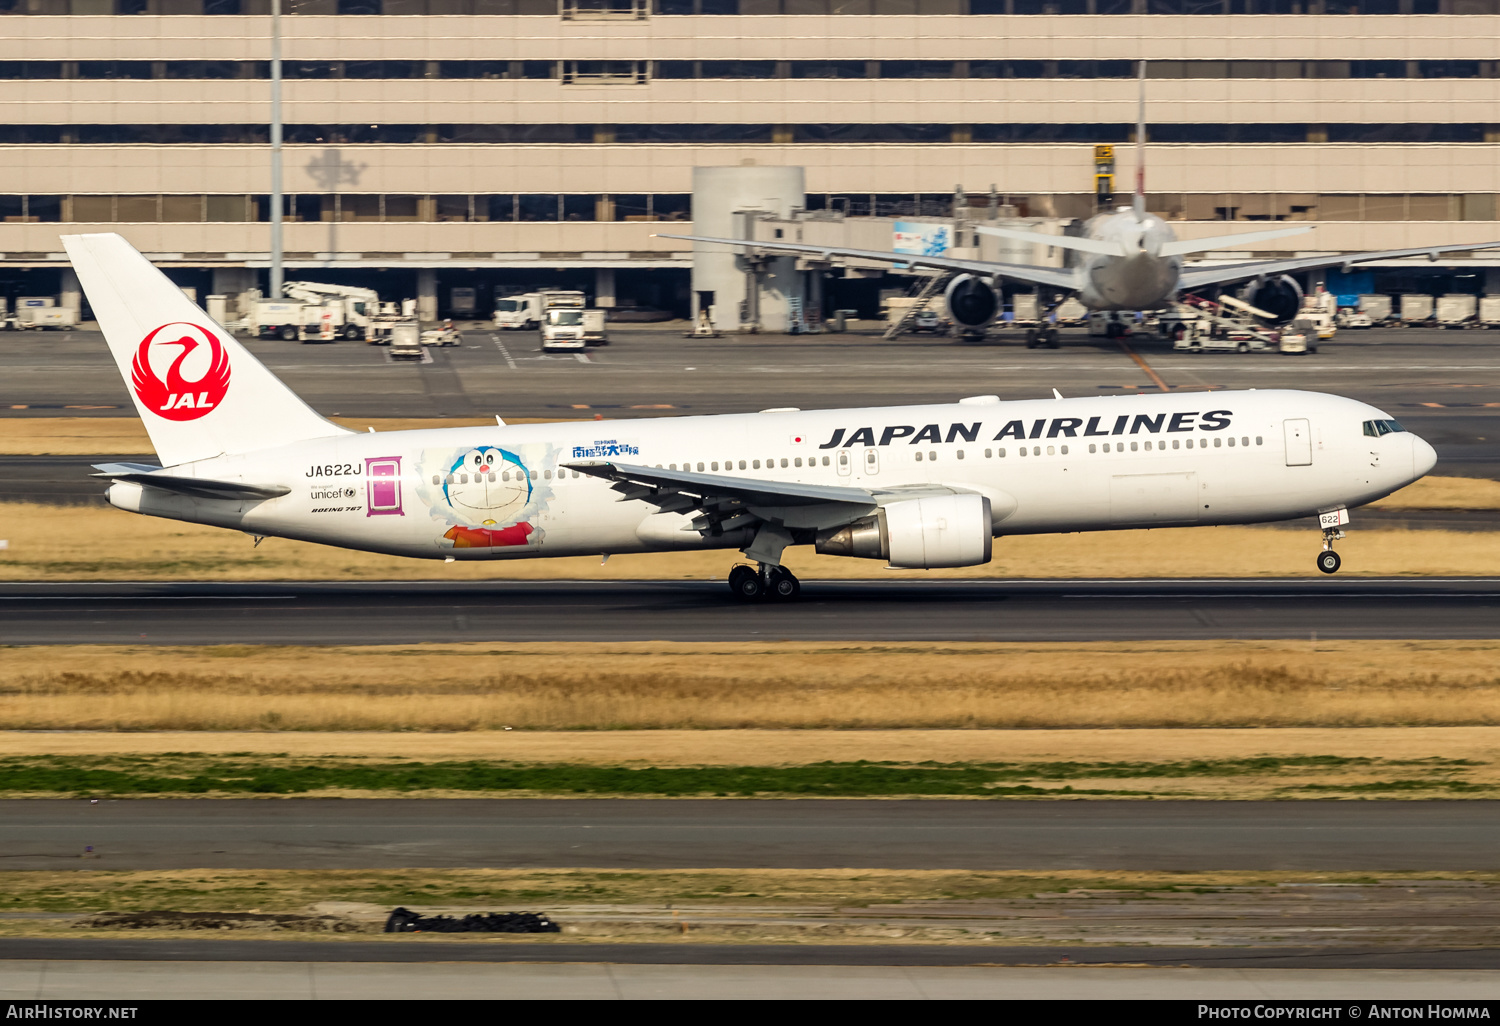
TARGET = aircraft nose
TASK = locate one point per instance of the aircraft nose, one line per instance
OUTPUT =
(1423, 457)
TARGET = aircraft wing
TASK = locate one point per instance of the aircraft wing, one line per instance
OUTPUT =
(1056, 277)
(1226, 273)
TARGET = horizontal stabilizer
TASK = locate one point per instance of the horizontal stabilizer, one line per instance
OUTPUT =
(198, 487)
(1082, 245)
(1185, 246)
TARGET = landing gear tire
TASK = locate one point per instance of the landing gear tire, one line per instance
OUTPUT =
(746, 584)
(1030, 338)
(1052, 338)
(1329, 561)
(784, 586)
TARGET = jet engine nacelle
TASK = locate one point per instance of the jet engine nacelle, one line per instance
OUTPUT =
(918, 534)
(1281, 296)
(971, 302)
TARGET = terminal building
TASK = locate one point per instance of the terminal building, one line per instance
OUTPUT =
(448, 149)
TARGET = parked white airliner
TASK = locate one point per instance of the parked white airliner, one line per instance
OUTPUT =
(917, 486)
(1128, 259)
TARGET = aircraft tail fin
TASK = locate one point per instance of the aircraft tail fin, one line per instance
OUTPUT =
(1138, 201)
(198, 391)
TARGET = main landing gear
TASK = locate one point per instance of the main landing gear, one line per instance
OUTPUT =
(763, 581)
(1045, 338)
(1332, 524)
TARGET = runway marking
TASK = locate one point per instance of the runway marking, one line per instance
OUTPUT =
(1143, 365)
(504, 352)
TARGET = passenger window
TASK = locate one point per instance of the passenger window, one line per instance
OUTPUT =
(492, 477)
(1051, 450)
(742, 464)
(1148, 446)
(714, 465)
(1093, 447)
(1106, 447)
(783, 461)
(988, 454)
(533, 475)
(919, 457)
(1135, 446)
(1189, 443)
(960, 454)
(673, 467)
(1065, 450)
(1231, 442)
(700, 468)
(797, 461)
(825, 461)
(1244, 441)
(547, 474)
(1002, 453)
(932, 456)
(1022, 450)
(1218, 442)
(757, 464)
(436, 479)
(1259, 440)
(1176, 443)
(450, 478)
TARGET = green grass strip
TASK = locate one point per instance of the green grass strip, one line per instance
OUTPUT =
(178, 774)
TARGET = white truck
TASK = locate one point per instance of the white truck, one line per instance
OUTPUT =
(1456, 309)
(331, 312)
(519, 312)
(1489, 312)
(40, 313)
(562, 324)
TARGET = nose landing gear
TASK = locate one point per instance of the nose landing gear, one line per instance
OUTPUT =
(1332, 523)
(751, 584)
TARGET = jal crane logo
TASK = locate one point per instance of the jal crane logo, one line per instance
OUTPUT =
(173, 395)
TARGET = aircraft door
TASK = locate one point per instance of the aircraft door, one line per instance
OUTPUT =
(1298, 443)
(872, 461)
(842, 459)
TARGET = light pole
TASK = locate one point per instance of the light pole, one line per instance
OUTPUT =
(276, 197)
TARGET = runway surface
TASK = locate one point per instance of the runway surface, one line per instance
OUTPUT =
(119, 981)
(324, 612)
(1196, 836)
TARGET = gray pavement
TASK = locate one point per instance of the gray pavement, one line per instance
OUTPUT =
(1444, 384)
(1375, 836)
(409, 612)
(59, 980)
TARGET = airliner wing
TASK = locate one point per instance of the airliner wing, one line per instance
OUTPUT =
(1054, 276)
(1227, 273)
(722, 503)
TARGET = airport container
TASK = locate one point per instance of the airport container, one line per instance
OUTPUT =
(1489, 311)
(1456, 309)
(1024, 305)
(1415, 308)
(1376, 307)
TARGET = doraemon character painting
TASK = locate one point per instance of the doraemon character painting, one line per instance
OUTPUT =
(487, 483)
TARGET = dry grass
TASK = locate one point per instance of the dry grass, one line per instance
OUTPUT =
(90, 436)
(1445, 493)
(760, 747)
(642, 686)
(88, 543)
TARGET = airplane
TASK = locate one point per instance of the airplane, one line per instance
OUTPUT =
(1129, 259)
(920, 487)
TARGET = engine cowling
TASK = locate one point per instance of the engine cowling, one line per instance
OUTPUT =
(1281, 297)
(971, 302)
(918, 534)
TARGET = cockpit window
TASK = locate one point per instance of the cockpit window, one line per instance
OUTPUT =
(1376, 428)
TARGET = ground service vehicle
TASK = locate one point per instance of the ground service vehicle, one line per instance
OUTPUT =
(523, 312)
(919, 487)
(1457, 309)
(1489, 311)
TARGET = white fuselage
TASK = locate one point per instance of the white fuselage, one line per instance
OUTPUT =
(1046, 466)
(1143, 281)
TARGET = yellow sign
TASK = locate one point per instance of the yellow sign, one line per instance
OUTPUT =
(1104, 154)
(1104, 185)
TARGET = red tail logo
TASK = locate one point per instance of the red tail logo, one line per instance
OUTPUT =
(175, 397)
